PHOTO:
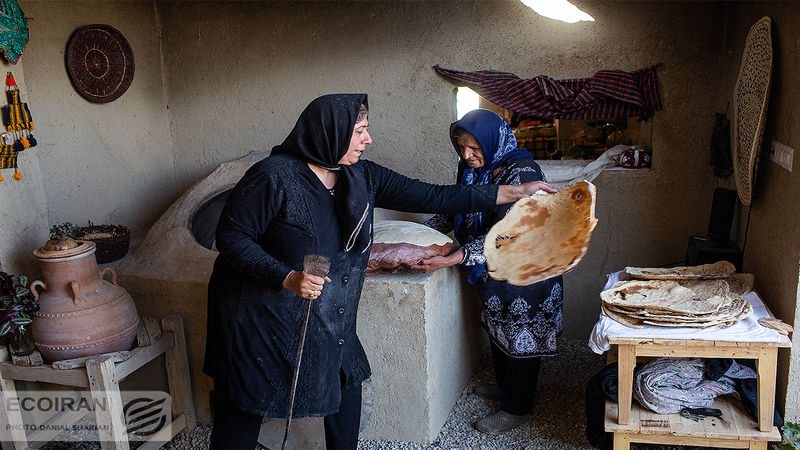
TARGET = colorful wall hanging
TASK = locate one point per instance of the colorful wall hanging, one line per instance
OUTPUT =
(19, 129)
(606, 94)
(13, 30)
(100, 63)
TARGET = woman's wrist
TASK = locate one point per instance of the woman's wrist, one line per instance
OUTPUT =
(460, 256)
(286, 281)
(507, 193)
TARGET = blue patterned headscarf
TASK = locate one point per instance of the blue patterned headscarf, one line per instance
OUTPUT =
(498, 145)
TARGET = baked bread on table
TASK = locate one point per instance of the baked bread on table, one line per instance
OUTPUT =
(708, 295)
(719, 269)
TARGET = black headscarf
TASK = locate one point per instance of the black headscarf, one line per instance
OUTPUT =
(321, 136)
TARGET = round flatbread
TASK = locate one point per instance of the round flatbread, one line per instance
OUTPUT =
(741, 283)
(402, 231)
(669, 295)
(542, 236)
(719, 269)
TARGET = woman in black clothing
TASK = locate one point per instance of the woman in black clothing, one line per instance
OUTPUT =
(522, 321)
(312, 195)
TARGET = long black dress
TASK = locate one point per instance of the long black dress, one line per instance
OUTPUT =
(276, 214)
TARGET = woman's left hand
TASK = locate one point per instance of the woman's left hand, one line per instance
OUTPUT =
(439, 262)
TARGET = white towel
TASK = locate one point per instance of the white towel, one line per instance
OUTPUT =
(565, 172)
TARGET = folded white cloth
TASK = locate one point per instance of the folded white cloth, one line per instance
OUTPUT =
(565, 172)
(744, 330)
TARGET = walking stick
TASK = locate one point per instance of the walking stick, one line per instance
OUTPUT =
(315, 265)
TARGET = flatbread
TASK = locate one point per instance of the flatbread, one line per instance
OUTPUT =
(715, 324)
(777, 325)
(674, 303)
(542, 236)
(402, 231)
(668, 295)
(741, 283)
(622, 318)
(727, 316)
(719, 269)
(733, 310)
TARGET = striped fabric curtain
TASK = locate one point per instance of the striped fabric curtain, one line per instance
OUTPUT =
(607, 94)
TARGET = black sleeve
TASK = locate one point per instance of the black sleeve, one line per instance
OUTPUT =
(395, 191)
(443, 223)
(242, 225)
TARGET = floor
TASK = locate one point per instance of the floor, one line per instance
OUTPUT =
(558, 421)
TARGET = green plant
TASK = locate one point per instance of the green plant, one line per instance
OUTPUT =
(66, 229)
(16, 304)
(791, 437)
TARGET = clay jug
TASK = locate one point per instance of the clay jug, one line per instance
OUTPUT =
(81, 314)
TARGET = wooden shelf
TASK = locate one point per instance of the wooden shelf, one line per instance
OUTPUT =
(739, 427)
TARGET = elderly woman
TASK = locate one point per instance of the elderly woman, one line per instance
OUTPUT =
(312, 195)
(522, 321)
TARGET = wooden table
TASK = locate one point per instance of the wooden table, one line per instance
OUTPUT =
(101, 374)
(636, 424)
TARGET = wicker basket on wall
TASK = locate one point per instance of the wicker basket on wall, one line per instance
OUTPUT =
(112, 241)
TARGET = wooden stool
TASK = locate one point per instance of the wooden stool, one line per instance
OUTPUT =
(102, 375)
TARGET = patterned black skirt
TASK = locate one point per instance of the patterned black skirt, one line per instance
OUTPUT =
(524, 321)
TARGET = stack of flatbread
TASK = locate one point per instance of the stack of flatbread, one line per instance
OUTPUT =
(709, 295)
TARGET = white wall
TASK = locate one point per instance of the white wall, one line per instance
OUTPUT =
(23, 208)
(239, 74)
(108, 163)
(772, 250)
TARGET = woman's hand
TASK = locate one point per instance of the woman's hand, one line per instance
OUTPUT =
(440, 262)
(507, 193)
(304, 284)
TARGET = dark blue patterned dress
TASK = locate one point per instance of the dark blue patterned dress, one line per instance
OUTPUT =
(523, 321)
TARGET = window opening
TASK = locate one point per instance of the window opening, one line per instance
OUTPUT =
(559, 139)
(466, 101)
(558, 9)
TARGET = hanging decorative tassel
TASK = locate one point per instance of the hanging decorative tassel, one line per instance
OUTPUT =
(17, 120)
(26, 117)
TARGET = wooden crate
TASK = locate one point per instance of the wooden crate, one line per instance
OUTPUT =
(738, 430)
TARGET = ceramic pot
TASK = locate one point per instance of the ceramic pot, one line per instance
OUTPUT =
(80, 313)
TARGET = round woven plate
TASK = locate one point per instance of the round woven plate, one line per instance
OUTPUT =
(100, 63)
(750, 97)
